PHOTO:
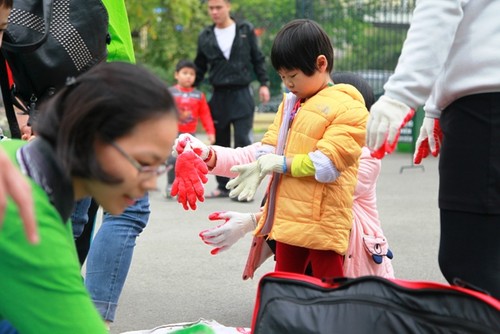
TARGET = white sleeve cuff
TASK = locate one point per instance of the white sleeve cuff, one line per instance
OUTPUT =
(326, 172)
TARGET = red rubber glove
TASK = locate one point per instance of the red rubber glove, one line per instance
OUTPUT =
(190, 175)
(387, 117)
(429, 140)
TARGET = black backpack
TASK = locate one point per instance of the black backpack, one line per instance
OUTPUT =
(46, 42)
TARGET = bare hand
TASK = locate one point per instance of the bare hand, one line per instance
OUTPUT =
(14, 184)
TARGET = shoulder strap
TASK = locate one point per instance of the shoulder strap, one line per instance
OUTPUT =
(31, 19)
(15, 132)
(37, 160)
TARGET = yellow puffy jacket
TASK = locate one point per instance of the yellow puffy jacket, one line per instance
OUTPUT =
(308, 213)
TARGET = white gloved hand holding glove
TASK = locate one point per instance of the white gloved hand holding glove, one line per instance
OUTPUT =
(202, 150)
(387, 117)
(235, 227)
(429, 140)
(246, 183)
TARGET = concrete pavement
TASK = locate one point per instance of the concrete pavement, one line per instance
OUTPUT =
(174, 278)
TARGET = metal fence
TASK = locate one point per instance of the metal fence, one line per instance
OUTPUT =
(367, 34)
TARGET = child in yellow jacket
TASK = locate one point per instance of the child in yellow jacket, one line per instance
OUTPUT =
(316, 141)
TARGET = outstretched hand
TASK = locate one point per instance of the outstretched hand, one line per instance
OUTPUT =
(246, 183)
(190, 175)
(223, 236)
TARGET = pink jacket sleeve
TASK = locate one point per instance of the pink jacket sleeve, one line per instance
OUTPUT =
(228, 157)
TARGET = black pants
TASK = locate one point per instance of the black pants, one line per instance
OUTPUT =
(232, 107)
(469, 249)
(469, 191)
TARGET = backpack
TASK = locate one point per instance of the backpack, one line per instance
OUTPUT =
(46, 42)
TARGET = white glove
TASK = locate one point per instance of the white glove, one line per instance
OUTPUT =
(202, 150)
(387, 117)
(269, 163)
(429, 140)
(246, 183)
(234, 228)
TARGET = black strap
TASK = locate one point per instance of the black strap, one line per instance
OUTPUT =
(15, 132)
(38, 161)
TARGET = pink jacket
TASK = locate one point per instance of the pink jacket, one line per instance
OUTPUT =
(367, 243)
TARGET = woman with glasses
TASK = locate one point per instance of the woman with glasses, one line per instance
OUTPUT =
(107, 135)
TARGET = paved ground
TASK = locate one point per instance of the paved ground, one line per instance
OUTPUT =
(175, 279)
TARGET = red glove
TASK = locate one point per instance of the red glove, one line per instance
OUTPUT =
(429, 139)
(190, 175)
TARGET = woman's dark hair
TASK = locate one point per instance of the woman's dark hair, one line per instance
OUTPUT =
(104, 103)
(298, 44)
(6, 3)
(359, 83)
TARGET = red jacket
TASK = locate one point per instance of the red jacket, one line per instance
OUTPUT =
(192, 105)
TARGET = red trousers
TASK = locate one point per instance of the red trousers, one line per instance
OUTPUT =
(324, 264)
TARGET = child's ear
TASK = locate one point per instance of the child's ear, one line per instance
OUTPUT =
(321, 63)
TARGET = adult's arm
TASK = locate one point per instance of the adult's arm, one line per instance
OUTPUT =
(201, 62)
(258, 60)
(434, 23)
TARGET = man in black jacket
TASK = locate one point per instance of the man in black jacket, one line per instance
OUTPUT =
(228, 51)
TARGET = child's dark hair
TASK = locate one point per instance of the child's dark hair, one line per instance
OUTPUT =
(298, 44)
(358, 82)
(104, 103)
(6, 3)
(183, 64)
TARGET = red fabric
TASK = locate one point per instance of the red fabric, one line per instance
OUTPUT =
(192, 106)
(293, 259)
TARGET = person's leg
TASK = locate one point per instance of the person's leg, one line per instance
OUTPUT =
(291, 259)
(170, 175)
(469, 249)
(110, 256)
(326, 264)
(469, 192)
(86, 219)
(243, 131)
(222, 133)
(243, 120)
(79, 216)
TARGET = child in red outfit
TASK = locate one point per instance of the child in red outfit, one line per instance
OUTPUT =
(192, 106)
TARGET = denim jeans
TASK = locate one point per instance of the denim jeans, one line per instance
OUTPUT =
(6, 328)
(110, 254)
(79, 216)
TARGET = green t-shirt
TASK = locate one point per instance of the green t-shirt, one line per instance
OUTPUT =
(41, 290)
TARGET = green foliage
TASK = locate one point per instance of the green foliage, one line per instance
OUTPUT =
(166, 31)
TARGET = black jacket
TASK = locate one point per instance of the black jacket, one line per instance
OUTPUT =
(246, 58)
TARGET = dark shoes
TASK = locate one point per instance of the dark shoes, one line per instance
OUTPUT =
(217, 193)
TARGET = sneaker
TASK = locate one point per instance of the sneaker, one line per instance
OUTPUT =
(242, 201)
(217, 193)
(167, 192)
